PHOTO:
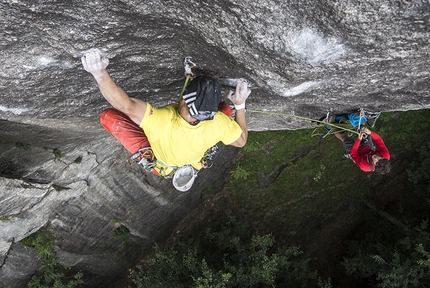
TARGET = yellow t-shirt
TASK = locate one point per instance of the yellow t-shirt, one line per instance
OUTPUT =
(176, 143)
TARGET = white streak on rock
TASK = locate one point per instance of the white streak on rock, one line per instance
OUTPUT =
(299, 89)
(311, 46)
(16, 111)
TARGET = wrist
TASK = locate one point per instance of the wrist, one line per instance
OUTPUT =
(99, 75)
(239, 106)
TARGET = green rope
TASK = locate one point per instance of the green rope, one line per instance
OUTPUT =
(303, 118)
(185, 86)
(374, 121)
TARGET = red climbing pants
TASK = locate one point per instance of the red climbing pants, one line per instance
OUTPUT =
(128, 133)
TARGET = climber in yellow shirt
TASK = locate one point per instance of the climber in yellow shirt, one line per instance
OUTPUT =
(178, 134)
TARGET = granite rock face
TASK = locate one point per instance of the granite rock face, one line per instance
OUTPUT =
(76, 184)
(60, 170)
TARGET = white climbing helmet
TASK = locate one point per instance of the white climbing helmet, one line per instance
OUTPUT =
(184, 178)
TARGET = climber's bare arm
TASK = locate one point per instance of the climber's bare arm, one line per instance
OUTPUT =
(95, 64)
(238, 98)
(241, 120)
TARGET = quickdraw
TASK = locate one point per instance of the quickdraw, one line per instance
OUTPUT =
(144, 157)
(208, 156)
(188, 65)
(189, 74)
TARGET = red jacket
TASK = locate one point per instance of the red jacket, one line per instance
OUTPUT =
(362, 156)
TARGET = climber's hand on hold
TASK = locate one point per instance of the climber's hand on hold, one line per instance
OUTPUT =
(241, 94)
(94, 62)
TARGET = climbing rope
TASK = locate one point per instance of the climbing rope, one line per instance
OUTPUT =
(188, 65)
(304, 118)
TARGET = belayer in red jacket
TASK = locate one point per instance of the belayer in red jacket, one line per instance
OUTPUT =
(368, 157)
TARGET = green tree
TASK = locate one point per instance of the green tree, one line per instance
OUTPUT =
(230, 256)
(406, 263)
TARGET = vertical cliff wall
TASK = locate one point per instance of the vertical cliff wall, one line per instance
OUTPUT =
(60, 170)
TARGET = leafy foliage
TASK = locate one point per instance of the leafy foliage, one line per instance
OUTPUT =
(239, 173)
(50, 273)
(231, 256)
(252, 146)
(319, 174)
(405, 263)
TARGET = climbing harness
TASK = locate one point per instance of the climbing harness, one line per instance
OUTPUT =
(146, 158)
(164, 170)
(368, 141)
